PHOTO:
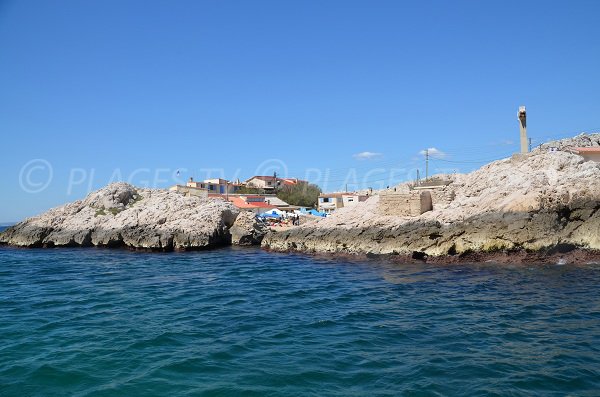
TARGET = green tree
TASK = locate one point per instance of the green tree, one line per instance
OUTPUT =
(302, 194)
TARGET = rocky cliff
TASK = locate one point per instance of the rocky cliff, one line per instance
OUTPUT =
(247, 230)
(542, 203)
(121, 215)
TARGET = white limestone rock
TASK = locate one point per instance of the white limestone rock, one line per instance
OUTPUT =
(533, 202)
(121, 215)
(247, 230)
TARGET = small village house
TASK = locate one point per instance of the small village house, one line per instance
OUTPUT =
(349, 199)
(247, 202)
(190, 191)
(329, 202)
(219, 188)
(588, 153)
(215, 185)
(271, 182)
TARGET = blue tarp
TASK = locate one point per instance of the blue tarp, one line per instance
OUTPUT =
(270, 215)
(317, 213)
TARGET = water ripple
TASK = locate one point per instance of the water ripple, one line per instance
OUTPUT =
(244, 322)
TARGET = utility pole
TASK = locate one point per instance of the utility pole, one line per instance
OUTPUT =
(530, 144)
(426, 164)
(417, 177)
(522, 115)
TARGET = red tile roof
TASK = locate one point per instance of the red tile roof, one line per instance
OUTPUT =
(595, 149)
(291, 181)
(240, 203)
(262, 205)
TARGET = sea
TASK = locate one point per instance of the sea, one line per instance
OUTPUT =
(245, 322)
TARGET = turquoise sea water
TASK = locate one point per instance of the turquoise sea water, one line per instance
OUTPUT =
(234, 322)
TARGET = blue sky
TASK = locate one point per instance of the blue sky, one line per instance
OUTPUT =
(136, 90)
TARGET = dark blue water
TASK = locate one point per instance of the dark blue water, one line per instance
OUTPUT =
(87, 322)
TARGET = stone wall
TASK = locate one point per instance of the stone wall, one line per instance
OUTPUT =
(190, 191)
(413, 203)
(442, 197)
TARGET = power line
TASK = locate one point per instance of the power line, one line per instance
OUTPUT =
(466, 155)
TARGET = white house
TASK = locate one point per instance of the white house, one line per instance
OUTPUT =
(215, 185)
(329, 202)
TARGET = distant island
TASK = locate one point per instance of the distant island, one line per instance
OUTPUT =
(537, 206)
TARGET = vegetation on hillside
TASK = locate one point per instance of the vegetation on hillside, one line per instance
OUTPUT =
(302, 194)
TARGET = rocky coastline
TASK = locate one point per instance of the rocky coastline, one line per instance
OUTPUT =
(537, 207)
(543, 206)
(577, 256)
(123, 216)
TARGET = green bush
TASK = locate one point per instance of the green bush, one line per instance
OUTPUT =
(302, 194)
(102, 212)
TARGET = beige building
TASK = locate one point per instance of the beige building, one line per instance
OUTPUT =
(215, 185)
(190, 191)
(329, 202)
(588, 153)
(411, 203)
(271, 182)
(350, 199)
(263, 182)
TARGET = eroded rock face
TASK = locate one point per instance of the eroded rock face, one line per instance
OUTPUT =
(122, 215)
(246, 230)
(541, 201)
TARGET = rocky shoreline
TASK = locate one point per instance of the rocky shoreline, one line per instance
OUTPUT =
(566, 228)
(538, 207)
(520, 257)
(123, 216)
(541, 207)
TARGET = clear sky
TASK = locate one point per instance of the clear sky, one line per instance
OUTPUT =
(96, 91)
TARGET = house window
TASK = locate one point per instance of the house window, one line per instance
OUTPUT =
(325, 199)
